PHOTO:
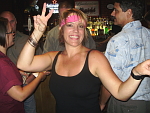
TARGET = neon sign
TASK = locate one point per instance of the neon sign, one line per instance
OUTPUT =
(53, 6)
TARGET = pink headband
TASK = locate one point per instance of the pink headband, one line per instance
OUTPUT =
(72, 18)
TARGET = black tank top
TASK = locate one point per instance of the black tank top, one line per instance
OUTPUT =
(76, 94)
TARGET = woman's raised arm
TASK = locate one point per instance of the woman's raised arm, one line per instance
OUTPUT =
(27, 61)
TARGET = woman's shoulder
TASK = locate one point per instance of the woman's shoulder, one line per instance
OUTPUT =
(5, 62)
(52, 54)
(96, 52)
(97, 61)
(96, 55)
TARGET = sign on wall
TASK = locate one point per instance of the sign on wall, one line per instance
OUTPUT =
(91, 8)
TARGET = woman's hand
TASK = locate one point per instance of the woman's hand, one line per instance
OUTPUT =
(142, 68)
(44, 74)
(40, 21)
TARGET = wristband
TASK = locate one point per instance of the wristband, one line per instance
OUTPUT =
(138, 77)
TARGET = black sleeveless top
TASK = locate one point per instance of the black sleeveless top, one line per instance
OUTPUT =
(76, 94)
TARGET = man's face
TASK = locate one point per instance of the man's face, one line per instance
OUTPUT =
(120, 17)
(12, 20)
(61, 11)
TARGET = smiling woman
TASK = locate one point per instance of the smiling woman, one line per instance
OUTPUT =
(73, 19)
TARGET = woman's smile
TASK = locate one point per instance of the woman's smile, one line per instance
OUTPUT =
(74, 36)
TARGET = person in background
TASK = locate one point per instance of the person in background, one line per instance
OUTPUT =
(52, 40)
(101, 46)
(78, 71)
(13, 53)
(11, 91)
(147, 18)
(124, 51)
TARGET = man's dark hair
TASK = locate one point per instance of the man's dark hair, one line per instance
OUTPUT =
(147, 16)
(137, 7)
(3, 30)
(67, 4)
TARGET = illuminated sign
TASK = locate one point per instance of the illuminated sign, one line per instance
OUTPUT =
(53, 6)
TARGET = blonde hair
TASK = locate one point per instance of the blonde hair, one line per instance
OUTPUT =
(64, 17)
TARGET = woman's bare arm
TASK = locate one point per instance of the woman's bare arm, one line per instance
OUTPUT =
(27, 61)
(120, 90)
(21, 93)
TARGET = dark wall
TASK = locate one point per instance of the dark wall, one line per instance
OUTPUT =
(16, 7)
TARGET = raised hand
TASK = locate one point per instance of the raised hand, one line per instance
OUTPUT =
(142, 68)
(40, 21)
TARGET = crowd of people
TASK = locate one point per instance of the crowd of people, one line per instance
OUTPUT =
(77, 69)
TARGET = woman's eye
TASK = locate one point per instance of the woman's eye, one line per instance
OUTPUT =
(81, 26)
(68, 25)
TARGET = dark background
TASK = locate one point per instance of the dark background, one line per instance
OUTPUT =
(17, 7)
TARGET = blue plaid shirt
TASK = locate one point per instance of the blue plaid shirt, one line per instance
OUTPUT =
(128, 48)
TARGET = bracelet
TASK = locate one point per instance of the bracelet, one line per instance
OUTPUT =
(138, 77)
(32, 42)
